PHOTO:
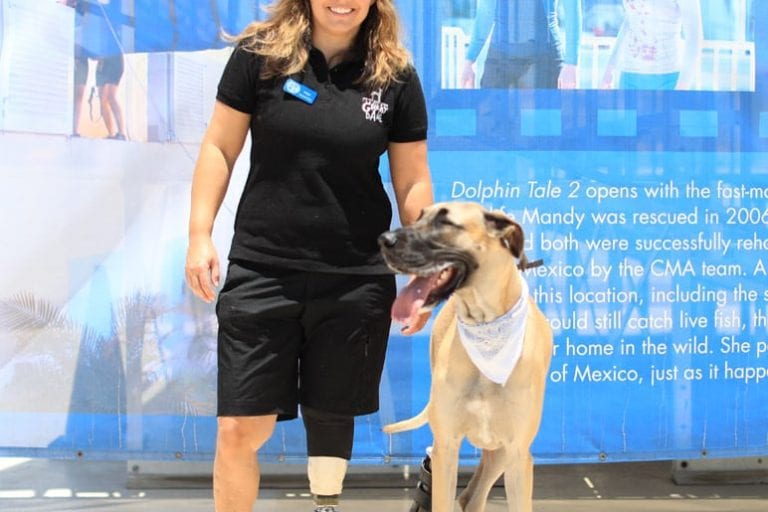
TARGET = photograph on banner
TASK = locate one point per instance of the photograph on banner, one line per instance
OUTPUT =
(706, 45)
(103, 104)
(135, 70)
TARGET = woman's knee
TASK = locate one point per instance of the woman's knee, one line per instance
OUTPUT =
(244, 432)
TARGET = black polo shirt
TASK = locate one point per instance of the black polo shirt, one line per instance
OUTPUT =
(314, 198)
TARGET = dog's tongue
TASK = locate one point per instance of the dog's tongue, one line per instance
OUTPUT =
(406, 307)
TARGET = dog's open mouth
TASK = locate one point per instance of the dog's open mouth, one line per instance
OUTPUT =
(425, 291)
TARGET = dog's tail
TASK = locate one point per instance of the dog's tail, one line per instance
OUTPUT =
(409, 424)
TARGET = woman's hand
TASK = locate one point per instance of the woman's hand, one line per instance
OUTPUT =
(607, 81)
(569, 77)
(202, 267)
(467, 80)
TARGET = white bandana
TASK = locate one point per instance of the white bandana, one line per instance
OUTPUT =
(496, 346)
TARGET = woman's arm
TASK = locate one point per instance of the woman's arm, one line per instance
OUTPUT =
(569, 73)
(485, 12)
(693, 35)
(607, 81)
(412, 182)
(410, 178)
(219, 150)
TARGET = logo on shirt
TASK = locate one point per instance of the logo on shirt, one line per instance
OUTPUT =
(374, 108)
(292, 87)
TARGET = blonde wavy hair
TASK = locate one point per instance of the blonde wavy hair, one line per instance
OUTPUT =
(283, 39)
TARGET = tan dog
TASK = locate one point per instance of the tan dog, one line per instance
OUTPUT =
(471, 257)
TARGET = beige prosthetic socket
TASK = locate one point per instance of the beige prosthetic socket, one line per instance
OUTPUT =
(326, 475)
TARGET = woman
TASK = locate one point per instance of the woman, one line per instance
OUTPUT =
(325, 88)
(533, 44)
(648, 51)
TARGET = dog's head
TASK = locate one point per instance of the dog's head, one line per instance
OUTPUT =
(444, 248)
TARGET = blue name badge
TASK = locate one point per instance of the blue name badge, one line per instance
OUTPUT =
(300, 91)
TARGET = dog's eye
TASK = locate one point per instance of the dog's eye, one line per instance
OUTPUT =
(442, 220)
(445, 221)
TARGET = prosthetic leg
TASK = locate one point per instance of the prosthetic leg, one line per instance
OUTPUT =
(326, 476)
(329, 445)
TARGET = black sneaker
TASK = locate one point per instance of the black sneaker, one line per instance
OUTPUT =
(327, 508)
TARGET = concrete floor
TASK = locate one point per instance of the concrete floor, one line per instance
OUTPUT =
(81, 485)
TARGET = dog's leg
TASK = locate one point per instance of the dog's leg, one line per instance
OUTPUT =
(490, 468)
(518, 481)
(445, 469)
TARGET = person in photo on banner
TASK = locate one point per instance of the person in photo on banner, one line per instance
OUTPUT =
(325, 88)
(109, 73)
(533, 44)
(658, 46)
(80, 71)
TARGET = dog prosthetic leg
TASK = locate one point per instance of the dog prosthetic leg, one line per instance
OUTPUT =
(422, 497)
(326, 479)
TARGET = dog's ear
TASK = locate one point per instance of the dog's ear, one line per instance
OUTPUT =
(509, 232)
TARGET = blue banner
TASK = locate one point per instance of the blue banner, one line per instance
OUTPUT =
(638, 169)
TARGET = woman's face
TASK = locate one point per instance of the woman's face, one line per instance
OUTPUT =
(338, 18)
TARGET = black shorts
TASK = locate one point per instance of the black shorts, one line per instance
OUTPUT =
(81, 70)
(288, 337)
(109, 70)
(505, 71)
